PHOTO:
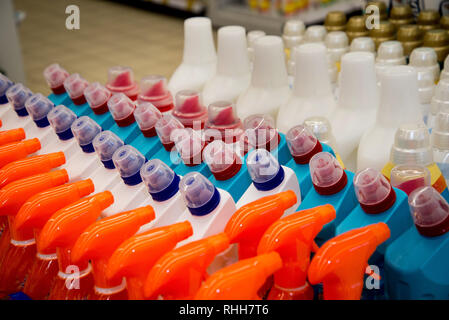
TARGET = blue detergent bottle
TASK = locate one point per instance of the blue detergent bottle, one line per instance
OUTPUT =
(416, 263)
(303, 146)
(228, 170)
(75, 85)
(97, 97)
(164, 128)
(122, 109)
(148, 143)
(331, 185)
(55, 76)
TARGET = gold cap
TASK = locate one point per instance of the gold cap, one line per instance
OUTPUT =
(444, 22)
(335, 21)
(401, 15)
(428, 20)
(410, 36)
(437, 39)
(356, 27)
(385, 32)
(382, 8)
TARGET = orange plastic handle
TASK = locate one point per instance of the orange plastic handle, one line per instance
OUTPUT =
(38, 209)
(13, 135)
(240, 281)
(249, 222)
(18, 150)
(100, 239)
(30, 166)
(179, 273)
(15, 194)
(341, 262)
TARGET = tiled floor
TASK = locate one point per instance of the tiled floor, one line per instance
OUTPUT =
(110, 34)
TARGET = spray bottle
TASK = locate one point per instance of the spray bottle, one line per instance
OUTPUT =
(121, 80)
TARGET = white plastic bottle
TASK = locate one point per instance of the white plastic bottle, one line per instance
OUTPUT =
(251, 38)
(337, 45)
(399, 103)
(445, 72)
(357, 104)
(233, 71)
(390, 53)
(292, 35)
(312, 92)
(199, 59)
(208, 208)
(362, 44)
(268, 178)
(269, 83)
(440, 142)
(439, 102)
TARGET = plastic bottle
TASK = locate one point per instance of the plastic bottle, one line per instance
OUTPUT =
(337, 45)
(364, 44)
(147, 142)
(199, 60)
(409, 177)
(335, 21)
(269, 82)
(233, 73)
(60, 232)
(356, 27)
(12, 135)
(251, 38)
(440, 143)
(75, 85)
(401, 15)
(439, 41)
(122, 109)
(240, 281)
(179, 273)
(97, 97)
(416, 262)
(222, 123)
(99, 241)
(385, 31)
(331, 185)
(208, 208)
(17, 94)
(312, 91)
(164, 128)
(428, 20)
(292, 238)
(412, 146)
(399, 103)
(410, 37)
(439, 102)
(121, 80)
(340, 264)
(29, 221)
(135, 257)
(153, 89)
(303, 146)
(55, 76)
(390, 53)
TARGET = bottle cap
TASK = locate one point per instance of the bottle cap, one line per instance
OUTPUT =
(315, 33)
(121, 80)
(260, 131)
(221, 159)
(17, 95)
(97, 96)
(164, 128)
(128, 161)
(153, 89)
(55, 76)
(85, 130)
(428, 19)
(75, 85)
(61, 119)
(122, 108)
(335, 21)
(162, 182)
(362, 44)
(12, 135)
(302, 144)
(38, 107)
(189, 108)
(5, 84)
(199, 194)
(189, 144)
(336, 40)
(381, 6)
(264, 169)
(147, 115)
(430, 211)
(251, 38)
(321, 129)
(423, 57)
(356, 27)
(292, 32)
(327, 175)
(105, 144)
(409, 177)
(412, 145)
(384, 32)
(18, 150)
(390, 53)
(401, 15)
(438, 40)
(410, 36)
(222, 117)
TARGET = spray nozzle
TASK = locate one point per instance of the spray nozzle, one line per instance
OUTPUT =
(38, 107)
(199, 194)
(260, 131)
(17, 95)
(96, 95)
(302, 144)
(55, 75)
(165, 126)
(75, 85)
(85, 130)
(146, 115)
(105, 144)
(129, 161)
(162, 182)
(120, 106)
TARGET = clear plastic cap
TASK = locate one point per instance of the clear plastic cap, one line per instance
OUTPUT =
(362, 44)
(196, 189)
(188, 102)
(259, 129)
(188, 142)
(336, 40)
(325, 170)
(85, 130)
(120, 106)
(146, 115)
(120, 77)
(55, 75)
(412, 145)
(128, 160)
(222, 114)
(315, 34)
(409, 177)
(156, 175)
(423, 57)
(61, 118)
(153, 86)
(17, 95)
(75, 85)
(218, 156)
(96, 94)
(38, 106)
(371, 187)
(442, 90)
(390, 51)
(428, 207)
(262, 165)
(321, 129)
(440, 132)
(165, 126)
(300, 140)
(106, 143)
(5, 84)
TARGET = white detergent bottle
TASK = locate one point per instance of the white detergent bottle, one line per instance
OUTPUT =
(208, 208)
(337, 45)
(390, 53)
(439, 102)
(445, 72)
(399, 103)
(312, 92)
(268, 178)
(357, 104)
(199, 59)
(269, 83)
(17, 114)
(251, 38)
(233, 71)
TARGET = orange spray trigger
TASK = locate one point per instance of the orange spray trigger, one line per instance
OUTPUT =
(13, 135)
(293, 238)
(18, 150)
(179, 273)
(240, 281)
(135, 257)
(250, 221)
(340, 264)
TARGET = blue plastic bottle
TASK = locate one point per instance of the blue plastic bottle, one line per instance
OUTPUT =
(303, 146)
(228, 171)
(147, 142)
(97, 97)
(75, 85)
(164, 128)
(331, 185)
(55, 75)
(122, 110)
(416, 263)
